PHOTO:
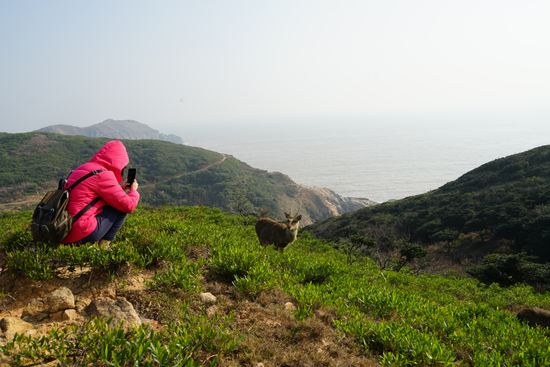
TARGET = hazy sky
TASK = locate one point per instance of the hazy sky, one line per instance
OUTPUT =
(180, 63)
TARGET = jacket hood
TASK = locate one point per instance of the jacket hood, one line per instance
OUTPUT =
(112, 156)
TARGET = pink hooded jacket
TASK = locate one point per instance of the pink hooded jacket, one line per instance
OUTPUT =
(111, 158)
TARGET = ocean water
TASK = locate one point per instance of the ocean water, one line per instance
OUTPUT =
(378, 160)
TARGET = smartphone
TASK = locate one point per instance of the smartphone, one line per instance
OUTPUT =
(131, 176)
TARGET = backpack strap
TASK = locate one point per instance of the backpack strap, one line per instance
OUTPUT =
(94, 172)
(86, 208)
(94, 202)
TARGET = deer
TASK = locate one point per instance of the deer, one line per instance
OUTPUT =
(279, 234)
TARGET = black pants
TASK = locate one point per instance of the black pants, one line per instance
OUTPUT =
(109, 222)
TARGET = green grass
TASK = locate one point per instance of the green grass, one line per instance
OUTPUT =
(404, 320)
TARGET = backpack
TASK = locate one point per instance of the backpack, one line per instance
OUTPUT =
(51, 221)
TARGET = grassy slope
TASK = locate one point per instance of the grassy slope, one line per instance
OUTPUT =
(504, 203)
(33, 162)
(346, 314)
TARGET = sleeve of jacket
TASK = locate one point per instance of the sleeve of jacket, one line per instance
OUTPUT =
(110, 191)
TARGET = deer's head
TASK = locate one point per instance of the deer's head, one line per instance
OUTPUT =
(293, 221)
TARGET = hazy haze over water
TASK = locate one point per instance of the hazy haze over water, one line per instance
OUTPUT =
(379, 160)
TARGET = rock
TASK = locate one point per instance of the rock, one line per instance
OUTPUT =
(212, 311)
(64, 315)
(60, 299)
(81, 303)
(30, 332)
(58, 316)
(208, 297)
(535, 316)
(289, 306)
(34, 307)
(120, 310)
(69, 314)
(52, 306)
(330, 203)
(14, 325)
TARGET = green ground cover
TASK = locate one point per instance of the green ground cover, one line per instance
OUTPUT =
(402, 319)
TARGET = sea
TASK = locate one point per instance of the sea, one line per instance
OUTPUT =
(375, 159)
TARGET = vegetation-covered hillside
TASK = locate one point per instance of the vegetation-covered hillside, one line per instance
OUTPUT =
(501, 206)
(168, 174)
(34, 162)
(306, 307)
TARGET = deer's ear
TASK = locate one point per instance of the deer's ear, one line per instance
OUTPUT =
(287, 215)
(298, 218)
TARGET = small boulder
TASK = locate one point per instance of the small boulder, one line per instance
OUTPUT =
(69, 314)
(80, 303)
(208, 297)
(36, 310)
(35, 306)
(64, 315)
(14, 325)
(120, 310)
(212, 311)
(289, 306)
(58, 316)
(60, 299)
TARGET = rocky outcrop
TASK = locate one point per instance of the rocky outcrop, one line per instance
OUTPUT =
(319, 203)
(51, 307)
(62, 307)
(339, 204)
(116, 129)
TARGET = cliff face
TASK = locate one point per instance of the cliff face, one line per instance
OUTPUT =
(339, 204)
(115, 129)
(324, 203)
(318, 203)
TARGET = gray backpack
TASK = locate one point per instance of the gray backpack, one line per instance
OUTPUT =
(51, 221)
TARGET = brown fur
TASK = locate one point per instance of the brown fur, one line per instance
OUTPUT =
(280, 235)
(535, 317)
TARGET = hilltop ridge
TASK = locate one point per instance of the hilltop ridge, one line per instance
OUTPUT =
(116, 129)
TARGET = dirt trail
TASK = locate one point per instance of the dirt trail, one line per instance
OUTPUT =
(225, 156)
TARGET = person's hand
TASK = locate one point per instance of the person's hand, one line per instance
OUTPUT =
(134, 185)
(125, 185)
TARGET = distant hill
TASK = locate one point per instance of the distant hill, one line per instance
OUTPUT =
(168, 174)
(502, 206)
(115, 129)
